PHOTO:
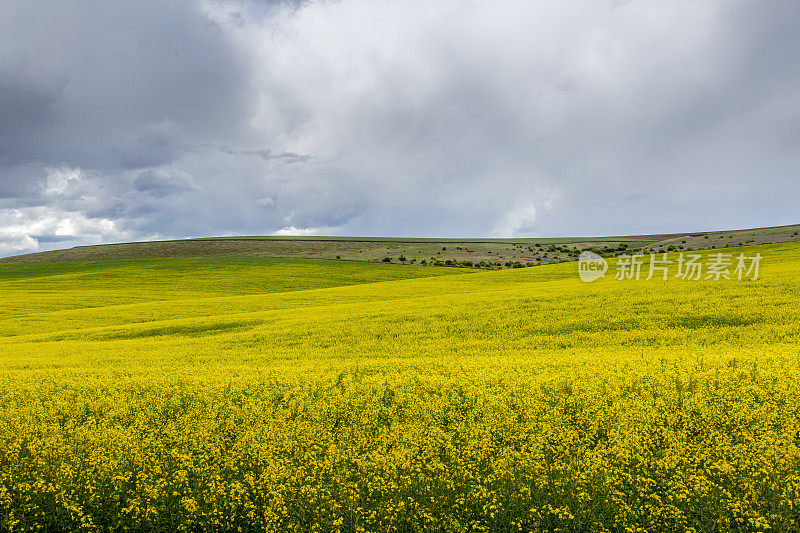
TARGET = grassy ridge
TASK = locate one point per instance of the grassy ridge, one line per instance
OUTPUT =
(218, 394)
(484, 253)
(378, 250)
(468, 240)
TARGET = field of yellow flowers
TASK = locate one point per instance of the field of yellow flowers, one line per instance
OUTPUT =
(224, 394)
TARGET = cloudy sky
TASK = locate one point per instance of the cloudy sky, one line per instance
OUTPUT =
(139, 120)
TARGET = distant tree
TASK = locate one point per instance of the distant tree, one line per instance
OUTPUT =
(387, 259)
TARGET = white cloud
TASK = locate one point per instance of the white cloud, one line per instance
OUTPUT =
(517, 222)
(59, 180)
(293, 231)
(27, 229)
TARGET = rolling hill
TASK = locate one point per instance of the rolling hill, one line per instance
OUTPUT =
(486, 253)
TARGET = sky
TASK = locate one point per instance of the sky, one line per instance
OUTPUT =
(139, 120)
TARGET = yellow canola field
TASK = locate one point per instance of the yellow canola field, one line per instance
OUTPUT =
(242, 394)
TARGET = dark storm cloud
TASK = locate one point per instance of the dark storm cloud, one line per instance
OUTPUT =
(101, 84)
(117, 91)
(163, 183)
(264, 153)
(123, 121)
(27, 106)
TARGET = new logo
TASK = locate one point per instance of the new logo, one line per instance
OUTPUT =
(591, 266)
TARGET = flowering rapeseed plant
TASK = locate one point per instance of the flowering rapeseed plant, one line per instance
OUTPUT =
(240, 395)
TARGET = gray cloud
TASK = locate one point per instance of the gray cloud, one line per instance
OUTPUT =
(105, 86)
(264, 153)
(163, 183)
(142, 120)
